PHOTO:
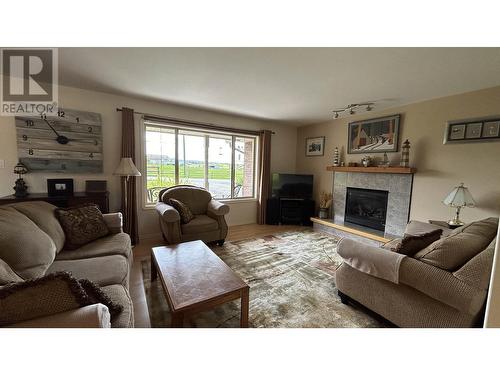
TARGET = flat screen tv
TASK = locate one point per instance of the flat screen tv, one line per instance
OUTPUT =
(295, 186)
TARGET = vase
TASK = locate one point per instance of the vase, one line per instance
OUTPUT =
(323, 213)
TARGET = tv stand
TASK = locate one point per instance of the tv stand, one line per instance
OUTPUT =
(289, 211)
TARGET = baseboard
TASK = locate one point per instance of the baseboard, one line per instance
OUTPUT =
(150, 237)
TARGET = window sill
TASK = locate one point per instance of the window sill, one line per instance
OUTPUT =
(241, 200)
(147, 207)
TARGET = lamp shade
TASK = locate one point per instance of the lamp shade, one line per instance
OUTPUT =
(459, 197)
(127, 168)
(20, 168)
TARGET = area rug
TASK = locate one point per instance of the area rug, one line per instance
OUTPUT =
(292, 284)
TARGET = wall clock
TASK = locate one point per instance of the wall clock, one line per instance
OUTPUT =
(68, 143)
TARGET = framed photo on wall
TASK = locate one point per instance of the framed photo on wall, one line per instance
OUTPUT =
(472, 130)
(315, 146)
(374, 135)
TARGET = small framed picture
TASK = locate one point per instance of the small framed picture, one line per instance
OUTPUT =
(473, 130)
(315, 146)
(491, 129)
(457, 131)
(59, 187)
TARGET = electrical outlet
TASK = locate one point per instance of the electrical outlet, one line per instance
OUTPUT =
(2, 164)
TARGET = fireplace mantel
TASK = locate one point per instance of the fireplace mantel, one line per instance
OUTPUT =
(399, 170)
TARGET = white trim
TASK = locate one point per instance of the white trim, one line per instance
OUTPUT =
(143, 160)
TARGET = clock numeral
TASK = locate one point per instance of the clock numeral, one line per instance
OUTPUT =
(91, 155)
(60, 113)
(30, 123)
(89, 129)
(25, 137)
(30, 151)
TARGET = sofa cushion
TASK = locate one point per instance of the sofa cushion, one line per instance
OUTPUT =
(200, 223)
(477, 271)
(27, 249)
(196, 198)
(43, 215)
(450, 253)
(7, 275)
(105, 270)
(81, 224)
(183, 210)
(115, 244)
(119, 295)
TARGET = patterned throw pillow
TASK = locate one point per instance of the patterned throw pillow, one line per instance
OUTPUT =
(49, 295)
(412, 244)
(183, 209)
(82, 224)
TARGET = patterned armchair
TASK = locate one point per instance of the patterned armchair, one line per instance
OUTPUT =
(209, 223)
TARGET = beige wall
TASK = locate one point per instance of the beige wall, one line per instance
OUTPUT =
(440, 167)
(283, 148)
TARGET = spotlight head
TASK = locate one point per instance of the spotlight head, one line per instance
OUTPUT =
(352, 111)
(336, 115)
(369, 108)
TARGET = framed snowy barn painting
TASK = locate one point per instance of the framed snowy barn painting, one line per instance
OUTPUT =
(375, 135)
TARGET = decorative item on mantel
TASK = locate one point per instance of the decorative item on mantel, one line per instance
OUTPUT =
(325, 202)
(336, 157)
(405, 154)
(21, 189)
(459, 197)
(366, 161)
(385, 161)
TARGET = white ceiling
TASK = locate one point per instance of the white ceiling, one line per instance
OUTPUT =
(295, 85)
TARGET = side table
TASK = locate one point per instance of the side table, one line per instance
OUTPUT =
(444, 224)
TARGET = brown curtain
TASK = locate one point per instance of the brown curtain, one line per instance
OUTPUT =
(264, 174)
(128, 151)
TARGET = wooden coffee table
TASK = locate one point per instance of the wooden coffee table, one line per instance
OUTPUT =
(195, 279)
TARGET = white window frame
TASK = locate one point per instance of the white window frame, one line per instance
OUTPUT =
(206, 133)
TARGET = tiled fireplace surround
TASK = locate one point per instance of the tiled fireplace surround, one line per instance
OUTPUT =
(398, 185)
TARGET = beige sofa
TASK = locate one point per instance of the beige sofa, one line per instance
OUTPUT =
(443, 285)
(33, 246)
(208, 225)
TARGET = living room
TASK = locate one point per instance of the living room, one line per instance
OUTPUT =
(260, 187)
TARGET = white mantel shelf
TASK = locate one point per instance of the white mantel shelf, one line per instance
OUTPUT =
(400, 170)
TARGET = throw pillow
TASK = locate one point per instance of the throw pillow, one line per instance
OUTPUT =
(183, 209)
(27, 249)
(82, 224)
(96, 295)
(48, 295)
(412, 244)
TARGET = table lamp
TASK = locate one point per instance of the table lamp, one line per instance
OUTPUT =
(126, 168)
(459, 197)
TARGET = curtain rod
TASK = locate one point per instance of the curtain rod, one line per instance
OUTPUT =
(197, 124)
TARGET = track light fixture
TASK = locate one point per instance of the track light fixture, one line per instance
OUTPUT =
(352, 107)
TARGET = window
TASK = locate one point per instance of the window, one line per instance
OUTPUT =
(223, 163)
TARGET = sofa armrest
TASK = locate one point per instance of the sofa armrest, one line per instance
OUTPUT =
(441, 285)
(167, 212)
(217, 208)
(114, 222)
(374, 261)
(92, 316)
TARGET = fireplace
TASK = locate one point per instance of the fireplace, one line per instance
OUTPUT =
(366, 207)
